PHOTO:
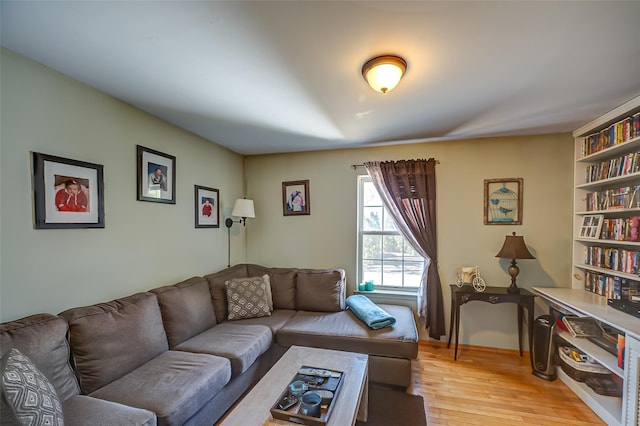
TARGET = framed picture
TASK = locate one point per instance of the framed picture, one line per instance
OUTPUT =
(591, 226)
(295, 198)
(156, 176)
(207, 207)
(503, 201)
(67, 193)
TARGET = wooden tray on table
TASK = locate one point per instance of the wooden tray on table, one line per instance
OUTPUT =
(292, 414)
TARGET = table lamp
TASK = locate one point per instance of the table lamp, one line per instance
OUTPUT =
(514, 248)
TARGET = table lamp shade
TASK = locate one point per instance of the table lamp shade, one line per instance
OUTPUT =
(514, 248)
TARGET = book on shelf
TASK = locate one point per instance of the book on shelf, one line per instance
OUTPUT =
(621, 344)
(583, 326)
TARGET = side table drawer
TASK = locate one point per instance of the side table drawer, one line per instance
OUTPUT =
(491, 298)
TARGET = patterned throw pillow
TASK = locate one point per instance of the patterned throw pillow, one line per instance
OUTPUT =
(27, 391)
(249, 297)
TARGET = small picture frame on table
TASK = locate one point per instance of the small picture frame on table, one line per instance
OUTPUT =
(207, 207)
(67, 193)
(295, 198)
(591, 226)
(156, 176)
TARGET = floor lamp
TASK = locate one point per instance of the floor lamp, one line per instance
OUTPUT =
(242, 208)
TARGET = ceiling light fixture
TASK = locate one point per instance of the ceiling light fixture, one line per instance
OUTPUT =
(383, 73)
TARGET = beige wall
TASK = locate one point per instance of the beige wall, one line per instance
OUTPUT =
(143, 245)
(327, 238)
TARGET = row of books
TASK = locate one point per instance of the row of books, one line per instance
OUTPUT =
(614, 167)
(617, 133)
(620, 229)
(616, 259)
(611, 287)
(617, 198)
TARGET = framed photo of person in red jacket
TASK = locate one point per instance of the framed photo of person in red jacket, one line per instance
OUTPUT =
(67, 193)
(207, 207)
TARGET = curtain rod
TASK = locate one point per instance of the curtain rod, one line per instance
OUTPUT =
(355, 166)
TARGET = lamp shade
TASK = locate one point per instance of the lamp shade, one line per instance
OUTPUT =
(243, 208)
(514, 248)
(383, 73)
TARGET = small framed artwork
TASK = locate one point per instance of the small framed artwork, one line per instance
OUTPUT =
(503, 201)
(156, 176)
(67, 193)
(295, 198)
(207, 207)
(591, 226)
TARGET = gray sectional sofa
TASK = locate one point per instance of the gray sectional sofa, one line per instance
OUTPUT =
(170, 356)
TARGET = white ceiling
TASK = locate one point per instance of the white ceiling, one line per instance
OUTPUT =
(283, 76)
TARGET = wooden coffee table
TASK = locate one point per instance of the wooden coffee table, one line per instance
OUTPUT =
(351, 401)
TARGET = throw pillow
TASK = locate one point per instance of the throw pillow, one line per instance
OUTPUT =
(29, 394)
(249, 297)
(264, 278)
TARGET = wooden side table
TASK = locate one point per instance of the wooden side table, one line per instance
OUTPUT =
(492, 295)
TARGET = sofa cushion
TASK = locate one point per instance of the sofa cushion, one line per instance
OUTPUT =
(108, 340)
(175, 385)
(345, 332)
(247, 298)
(82, 410)
(219, 291)
(186, 309)
(29, 395)
(43, 338)
(241, 344)
(320, 290)
(283, 284)
(275, 321)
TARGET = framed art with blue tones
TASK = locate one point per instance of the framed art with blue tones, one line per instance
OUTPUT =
(503, 201)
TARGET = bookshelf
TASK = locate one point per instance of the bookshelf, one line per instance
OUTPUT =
(606, 184)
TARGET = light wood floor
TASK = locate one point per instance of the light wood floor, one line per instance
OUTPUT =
(491, 387)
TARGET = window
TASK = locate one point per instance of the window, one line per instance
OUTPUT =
(384, 255)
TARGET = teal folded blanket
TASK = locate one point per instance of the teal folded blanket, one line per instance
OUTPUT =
(368, 312)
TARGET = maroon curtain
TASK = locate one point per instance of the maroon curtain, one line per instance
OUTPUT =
(408, 191)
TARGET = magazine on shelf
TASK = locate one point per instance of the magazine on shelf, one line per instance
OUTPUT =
(583, 326)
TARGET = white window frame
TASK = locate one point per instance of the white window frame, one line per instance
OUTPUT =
(361, 233)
